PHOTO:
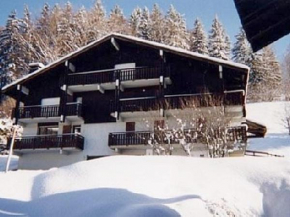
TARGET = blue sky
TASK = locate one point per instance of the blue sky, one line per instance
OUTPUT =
(204, 9)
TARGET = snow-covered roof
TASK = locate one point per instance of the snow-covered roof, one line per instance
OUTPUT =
(179, 51)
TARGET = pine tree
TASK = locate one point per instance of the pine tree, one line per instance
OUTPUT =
(97, 23)
(157, 25)
(28, 33)
(12, 50)
(242, 51)
(175, 29)
(65, 30)
(45, 35)
(219, 45)
(135, 20)
(144, 24)
(80, 26)
(265, 79)
(117, 21)
(273, 69)
(198, 39)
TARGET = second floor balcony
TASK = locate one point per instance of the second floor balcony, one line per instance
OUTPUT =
(187, 102)
(106, 79)
(48, 113)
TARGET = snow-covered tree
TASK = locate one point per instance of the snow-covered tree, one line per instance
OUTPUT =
(157, 25)
(97, 22)
(80, 25)
(265, 77)
(65, 30)
(134, 21)
(218, 41)
(274, 73)
(12, 49)
(175, 29)
(145, 24)
(45, 35)
(198, 39)
(242, 51)
(117, 21)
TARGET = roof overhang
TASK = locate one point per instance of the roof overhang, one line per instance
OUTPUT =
(142, 42)
(264, 21)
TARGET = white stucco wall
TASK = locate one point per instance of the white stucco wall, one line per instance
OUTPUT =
(30, 129)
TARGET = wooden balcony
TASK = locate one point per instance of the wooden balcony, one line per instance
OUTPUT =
(105, 79)
(49, 142)
(173, 102)
(48, 113)
(141, 138)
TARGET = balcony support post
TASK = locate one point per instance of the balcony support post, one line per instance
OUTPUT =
(117, 96)
(64, 93)
(16, 115)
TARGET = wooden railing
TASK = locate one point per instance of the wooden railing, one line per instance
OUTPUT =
(177, 102)
(129, 138)
(73, 109)
(99, 77)
(234, 134)
(49, 142)
(261, 154)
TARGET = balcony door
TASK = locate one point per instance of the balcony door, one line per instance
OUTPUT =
(126, 74)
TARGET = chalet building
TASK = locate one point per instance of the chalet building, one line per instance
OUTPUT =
(93, 102)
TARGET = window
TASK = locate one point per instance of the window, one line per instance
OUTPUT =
(47, 129)
(77, 129)
(130, 126)
(158, 125)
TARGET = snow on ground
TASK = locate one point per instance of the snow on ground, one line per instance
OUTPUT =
(13, 163)
(126, 186)
(151, 186)
(271, 114)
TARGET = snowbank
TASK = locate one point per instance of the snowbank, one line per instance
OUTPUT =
(13, 164)
(152, 186)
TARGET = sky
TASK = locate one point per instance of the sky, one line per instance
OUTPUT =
(191, 9)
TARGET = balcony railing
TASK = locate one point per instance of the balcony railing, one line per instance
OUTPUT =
(107, 76)
(72, 109)
(178, 102)
(65, 141)
(234, 134)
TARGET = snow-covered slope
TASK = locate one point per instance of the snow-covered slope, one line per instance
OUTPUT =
(271, 114)
(152, 186)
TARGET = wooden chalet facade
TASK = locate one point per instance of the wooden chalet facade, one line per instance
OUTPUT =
(93, 102)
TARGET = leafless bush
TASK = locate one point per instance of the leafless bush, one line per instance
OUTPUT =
(199, 119)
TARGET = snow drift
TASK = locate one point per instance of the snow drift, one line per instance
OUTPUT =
(152, 186)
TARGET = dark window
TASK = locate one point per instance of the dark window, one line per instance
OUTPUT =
(158, 125)
(47, 129)
(130, 126)
(66, 129)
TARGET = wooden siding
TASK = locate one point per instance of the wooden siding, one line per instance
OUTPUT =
(188, 76)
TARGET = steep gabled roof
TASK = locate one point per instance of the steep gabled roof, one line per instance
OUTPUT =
(132, 39)
(264, 21)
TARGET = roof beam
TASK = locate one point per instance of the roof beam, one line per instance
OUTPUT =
(115, 44)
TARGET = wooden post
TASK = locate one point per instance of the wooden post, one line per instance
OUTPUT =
(16, 115)
(117, 94)
(11, 148)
